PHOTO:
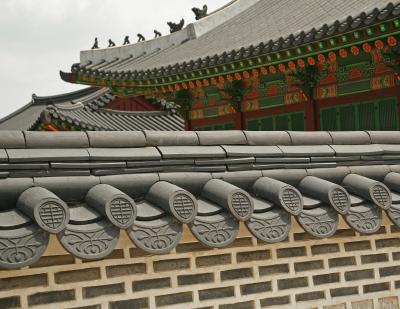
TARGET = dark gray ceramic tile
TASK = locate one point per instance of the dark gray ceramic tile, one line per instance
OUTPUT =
(107, 154)
(37, 139)
(116, 139)
(171, 138)
(12, 139)
(311, 151)
(221, 137)
(43, 155)
(180, 152)
(350, 138)
(254, 151)
(266, 138)
(87, 165)
(354, 150)
(310, 138)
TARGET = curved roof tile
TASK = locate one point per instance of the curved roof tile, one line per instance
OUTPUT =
(138, 188)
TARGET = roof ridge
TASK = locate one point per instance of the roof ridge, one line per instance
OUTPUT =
(262, 47)
(137, 113)
(62, 97)
(192, 31)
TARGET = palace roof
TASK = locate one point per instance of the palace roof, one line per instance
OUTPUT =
(87, 110)
(87, 186)
(241, 30)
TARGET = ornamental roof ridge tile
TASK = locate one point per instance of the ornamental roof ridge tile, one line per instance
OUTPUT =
(280, 43)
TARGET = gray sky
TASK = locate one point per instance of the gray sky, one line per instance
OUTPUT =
(40, 37)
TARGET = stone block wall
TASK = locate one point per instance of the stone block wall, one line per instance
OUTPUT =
(347, 271)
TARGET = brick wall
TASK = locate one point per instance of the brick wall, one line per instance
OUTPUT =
(348, 270)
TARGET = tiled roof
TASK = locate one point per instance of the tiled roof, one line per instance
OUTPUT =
(27, 116)
(252, 28)
(86, 110)
(86, 186)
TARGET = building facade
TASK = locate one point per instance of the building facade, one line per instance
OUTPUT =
(261, 65)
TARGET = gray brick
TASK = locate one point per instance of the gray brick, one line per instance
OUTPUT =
(357, 245)
(169, 265)
(23, 282)
(10, 302)
(55, 260)
(376, 287)
(388, 242)
(359, 274)
(139, 303)
(291, 252)
(51, 297)
(191, 247)
(173, 299)
(310, 296)
(195, 279)
(374, 258)
(241, 305)
(275, 301)
(125, 270)
(77, 275)
(338, 292)
(342, 261)
(326, 278)
(292, 283)
(101, 290)
(309, 265)
(236, 274)
(273, 269)
(88, 307)
(150, 284)
(254, 288)
(216, 293)
(241, 242)
(213, 260)
(251, 256)
(396, 256)
(324, 249)
(389, 271)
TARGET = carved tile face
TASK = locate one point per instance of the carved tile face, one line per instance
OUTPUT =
(340, 200)
(52, 215)
(381, 196)
(215, 231)
(122, 210)
(291, 200)
(365, 218)
(241, 206)
(22, 247)
(184, 206)
(91, 241)
(320, 222)
(271, 227)
(394, 214)
(157, 236)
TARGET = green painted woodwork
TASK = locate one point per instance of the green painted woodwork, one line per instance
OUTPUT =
(266, 102)
(353, 87)
(369, 115)
(211, 112)
(221, 126)
(290, 121)
(212, 93)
